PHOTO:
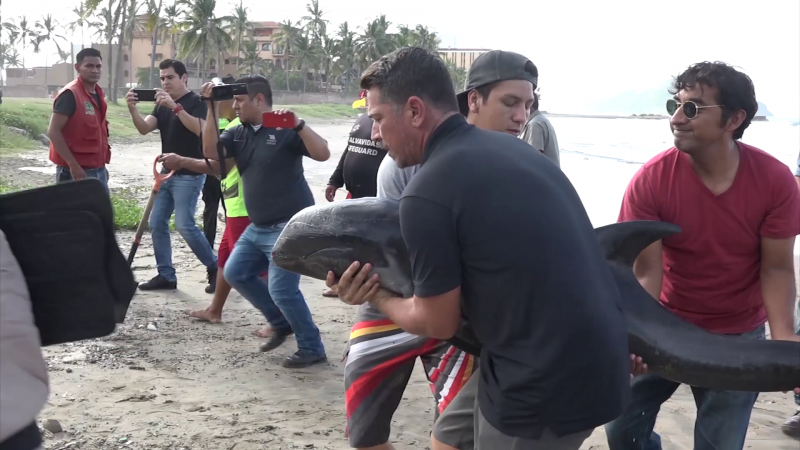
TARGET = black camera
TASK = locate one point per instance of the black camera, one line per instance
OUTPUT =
(221, 92)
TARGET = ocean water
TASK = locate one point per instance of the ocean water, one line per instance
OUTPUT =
(638, 140)
(601, 155)
(598, 155)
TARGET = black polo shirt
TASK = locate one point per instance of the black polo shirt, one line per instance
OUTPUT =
(489, 213)
(270, 162)
(175, 137)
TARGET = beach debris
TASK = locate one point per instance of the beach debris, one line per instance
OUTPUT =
(52, 425)
(152, 326)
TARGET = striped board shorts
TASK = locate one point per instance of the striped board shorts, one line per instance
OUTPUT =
(379, 361)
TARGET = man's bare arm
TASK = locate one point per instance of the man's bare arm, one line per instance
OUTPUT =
(778, 286)
(57, 122)
(317, 147)
(436, 317)
(143, 124)
(200, 166)
(191, 122)
(648, 269)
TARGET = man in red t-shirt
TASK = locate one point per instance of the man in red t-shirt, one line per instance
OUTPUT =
(731, 269)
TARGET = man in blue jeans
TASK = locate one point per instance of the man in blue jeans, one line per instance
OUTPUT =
(270, 161)
(178, 116)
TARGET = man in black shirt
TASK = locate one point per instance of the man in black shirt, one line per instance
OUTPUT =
(178, 116)
(497, 232)
(270, 161)
(358, 166)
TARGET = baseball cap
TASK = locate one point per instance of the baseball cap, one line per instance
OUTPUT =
(493, 66)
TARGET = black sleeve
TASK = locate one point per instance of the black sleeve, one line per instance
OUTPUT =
(430, 234)
(200, 110)
(337, 179)
(65, 103)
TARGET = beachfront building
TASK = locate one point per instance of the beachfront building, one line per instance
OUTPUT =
(461, 57)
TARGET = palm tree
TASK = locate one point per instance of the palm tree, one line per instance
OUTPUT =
(47, 28)
(237, 26)
(373, 42)
(173, 26)
(24, 34)
(251, 62)
(65, 57)
(152, 26)
(304, 57)
(346, 51)
(202, 27)
(287, 39)
(81, 14)
(426, 39)
(314, 23)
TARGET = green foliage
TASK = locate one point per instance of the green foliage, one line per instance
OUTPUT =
(141, 77)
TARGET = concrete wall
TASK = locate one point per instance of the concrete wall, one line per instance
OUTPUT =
(309, 98)
(24, 91)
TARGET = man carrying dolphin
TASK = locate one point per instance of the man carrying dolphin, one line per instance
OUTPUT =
(497, 97)
(471, 225)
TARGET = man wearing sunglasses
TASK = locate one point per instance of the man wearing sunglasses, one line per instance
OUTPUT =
(731, 268)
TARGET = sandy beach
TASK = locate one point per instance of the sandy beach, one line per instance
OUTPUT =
(192, 385)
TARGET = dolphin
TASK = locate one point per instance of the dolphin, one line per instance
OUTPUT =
(329, 237)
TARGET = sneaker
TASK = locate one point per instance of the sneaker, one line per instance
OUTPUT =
(158, 283)
(791, 427)
(277, 338)
(212, 280)
(302, 359)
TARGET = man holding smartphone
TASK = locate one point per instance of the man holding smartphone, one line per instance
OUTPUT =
(270, 162)
(178, 116)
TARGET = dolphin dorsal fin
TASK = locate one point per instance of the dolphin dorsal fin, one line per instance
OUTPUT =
(622, 242)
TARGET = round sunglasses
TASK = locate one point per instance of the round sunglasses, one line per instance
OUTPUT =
(690, 108)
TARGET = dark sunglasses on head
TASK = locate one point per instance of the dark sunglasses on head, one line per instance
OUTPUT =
(690, 108)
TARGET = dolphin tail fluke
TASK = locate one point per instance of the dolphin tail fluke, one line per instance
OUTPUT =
(622, 242)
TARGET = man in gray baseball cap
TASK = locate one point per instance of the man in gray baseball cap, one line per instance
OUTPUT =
(499, 91)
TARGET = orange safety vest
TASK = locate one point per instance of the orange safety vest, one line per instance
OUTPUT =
(86, 131)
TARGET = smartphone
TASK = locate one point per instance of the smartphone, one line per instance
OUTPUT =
(145, 95)
(273, 120)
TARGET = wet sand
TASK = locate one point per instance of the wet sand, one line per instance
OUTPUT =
(193, 385)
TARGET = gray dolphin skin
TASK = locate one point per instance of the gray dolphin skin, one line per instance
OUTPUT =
(331, 236)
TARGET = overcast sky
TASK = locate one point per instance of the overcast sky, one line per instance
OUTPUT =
(585, 50)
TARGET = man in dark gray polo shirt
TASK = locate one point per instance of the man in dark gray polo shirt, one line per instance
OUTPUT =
(270, 161)
(526, 271)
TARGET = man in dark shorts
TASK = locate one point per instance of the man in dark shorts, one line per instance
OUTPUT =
(78, 128)
(730, 269)
(554, 359)
(178, 116)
